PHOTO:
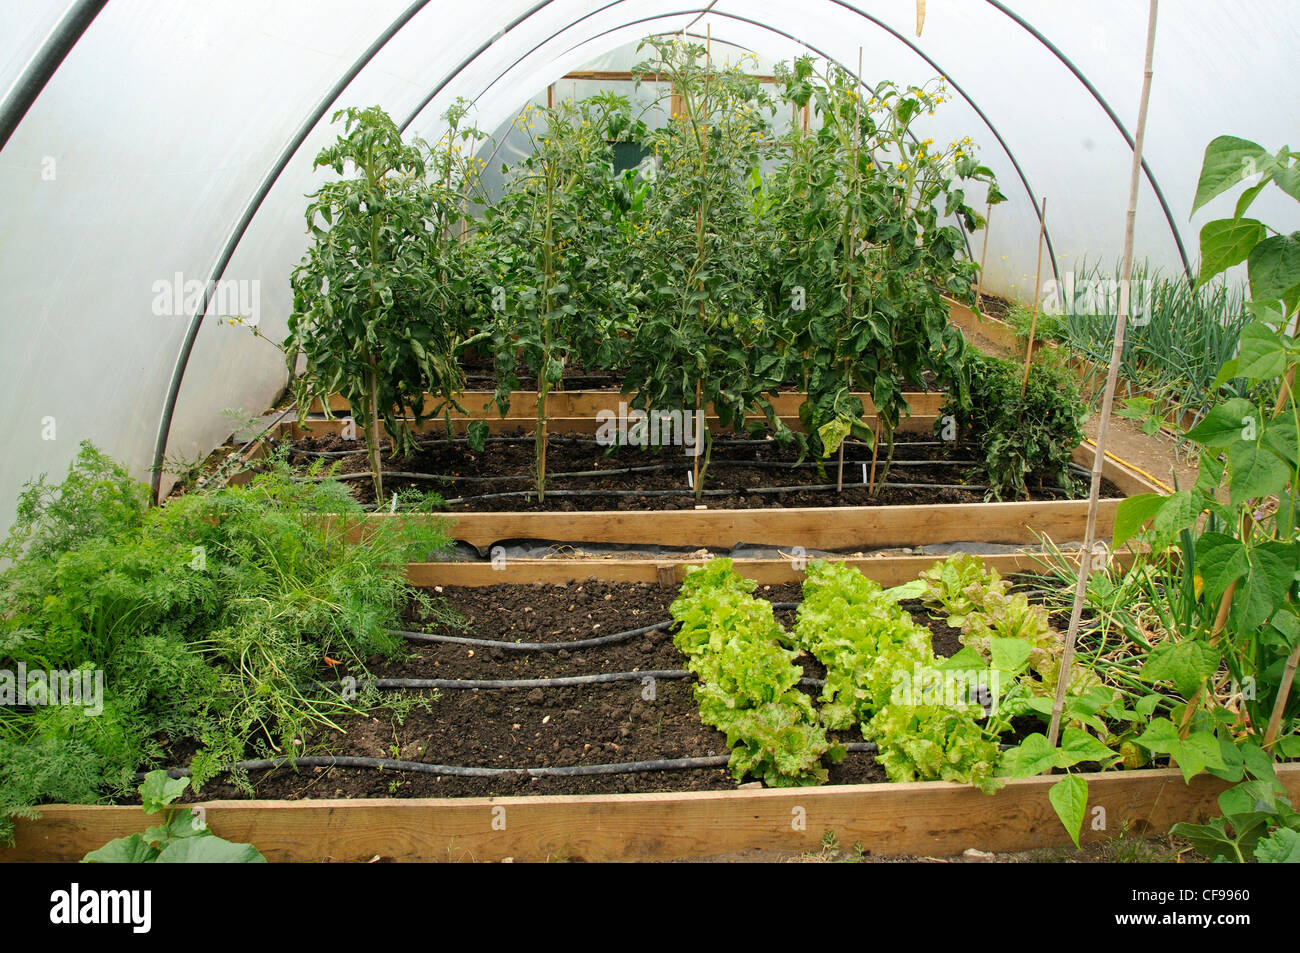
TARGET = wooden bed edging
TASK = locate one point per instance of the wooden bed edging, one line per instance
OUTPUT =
(886, 570)
(826, 528)
(932, 818)
(589, 402)
(1004, 335)
(581, 426)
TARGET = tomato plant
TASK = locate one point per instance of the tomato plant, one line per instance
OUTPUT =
(367, 317)
(701, 338)
(859, 208)
(549, 238)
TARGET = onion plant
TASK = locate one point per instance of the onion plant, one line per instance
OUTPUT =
(1181, 337)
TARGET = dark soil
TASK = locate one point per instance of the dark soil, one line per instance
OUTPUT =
(501, 477)
(994, 306)
(480, 374)
(539, 727)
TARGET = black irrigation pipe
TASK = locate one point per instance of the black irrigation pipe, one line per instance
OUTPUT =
(561, 681)
(462, 771)
(617, 471)
(562, 438)
(533, 646)
(774, 490)
(550, 646)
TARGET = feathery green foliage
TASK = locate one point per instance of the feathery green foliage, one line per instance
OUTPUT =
(206, 616)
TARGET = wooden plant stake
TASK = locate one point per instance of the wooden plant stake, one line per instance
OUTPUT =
(1108, 400)
(984, 254)
(1288, 673)
(695, 459)
(1038, 279)
(1283, 694)
(875, 447)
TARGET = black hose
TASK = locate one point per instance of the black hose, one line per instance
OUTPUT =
(533, 646)
(388, 447)
(564, 681)
(615, 471)
(462, 771)
(549, 646)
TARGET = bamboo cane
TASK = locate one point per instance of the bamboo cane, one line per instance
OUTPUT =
(984, 254)
(1108, 400)
(1038, 279)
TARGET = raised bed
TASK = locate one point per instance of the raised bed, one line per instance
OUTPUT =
(932, 818)
(844, 528)
(920, 819)
(1089, 374)
(714, 523)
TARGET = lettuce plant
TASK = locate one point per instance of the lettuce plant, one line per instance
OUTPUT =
(881, 674)
(747, 680)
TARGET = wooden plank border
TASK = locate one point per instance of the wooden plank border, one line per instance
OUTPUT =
(930, 818)
(583, 426)
(886, 570)
(588, 403)
(825, 528)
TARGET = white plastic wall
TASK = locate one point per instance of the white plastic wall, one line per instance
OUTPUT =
(143, 151)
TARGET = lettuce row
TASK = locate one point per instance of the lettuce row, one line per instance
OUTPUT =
(976, 600)
(748, 680)
(871, 647)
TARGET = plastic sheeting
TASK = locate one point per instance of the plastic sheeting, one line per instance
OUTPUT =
(127, 176)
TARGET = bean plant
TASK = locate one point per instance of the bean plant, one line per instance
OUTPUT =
(1209, 618)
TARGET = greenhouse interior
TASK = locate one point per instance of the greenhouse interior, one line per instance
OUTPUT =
(625, 430)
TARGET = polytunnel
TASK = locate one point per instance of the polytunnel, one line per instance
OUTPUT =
(422, 406)
(150, 142)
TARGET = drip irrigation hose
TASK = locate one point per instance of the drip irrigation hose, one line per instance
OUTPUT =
(462, 771)
(533, 646)
(550, 646)
(614, 471)
(565, 438)
(818, 487)
(562, 681)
